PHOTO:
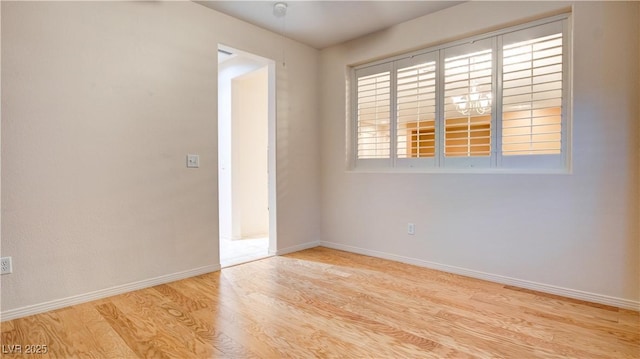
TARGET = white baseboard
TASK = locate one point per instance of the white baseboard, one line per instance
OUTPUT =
(108, 292)
(299, 247)
(103, 293)
(546, 288)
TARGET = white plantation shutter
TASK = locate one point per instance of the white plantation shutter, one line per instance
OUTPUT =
(416, 110)
(533, 73)
(373, 89)
(498, 100)
(468, 99)
(532, 96)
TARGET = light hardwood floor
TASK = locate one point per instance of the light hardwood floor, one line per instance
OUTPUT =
(327, 303)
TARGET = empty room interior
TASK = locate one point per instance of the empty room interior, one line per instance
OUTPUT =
(409, 179)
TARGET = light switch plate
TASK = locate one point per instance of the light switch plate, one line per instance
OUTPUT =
(193, 161)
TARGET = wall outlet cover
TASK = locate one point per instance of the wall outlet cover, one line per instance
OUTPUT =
(5, 265)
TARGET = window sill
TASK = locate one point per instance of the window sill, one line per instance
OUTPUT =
(479, 171)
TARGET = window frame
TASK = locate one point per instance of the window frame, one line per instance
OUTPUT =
(496, 162)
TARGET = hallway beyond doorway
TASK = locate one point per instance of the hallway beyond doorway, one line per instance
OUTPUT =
(238, 251)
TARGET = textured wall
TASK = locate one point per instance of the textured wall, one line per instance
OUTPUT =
(101, 101)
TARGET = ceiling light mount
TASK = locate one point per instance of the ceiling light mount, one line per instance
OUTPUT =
(280, 9)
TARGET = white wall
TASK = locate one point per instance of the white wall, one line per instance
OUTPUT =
(250, 108)
(574, 234)
(101, 101)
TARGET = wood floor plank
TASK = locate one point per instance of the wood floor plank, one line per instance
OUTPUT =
(184, 300)
(272, 324)
(323, 303)
(153, 310)
(227, 316)
(207, 338)
(42, 330)
(135, 332)
(97, 335)
(6, 326)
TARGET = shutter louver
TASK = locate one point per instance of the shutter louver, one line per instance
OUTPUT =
(532, 97)
(416, 110)
(374, 106)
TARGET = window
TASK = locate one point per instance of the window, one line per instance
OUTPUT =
(493, 101)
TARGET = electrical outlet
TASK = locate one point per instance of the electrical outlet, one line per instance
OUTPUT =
(411, 229)
(5, 265)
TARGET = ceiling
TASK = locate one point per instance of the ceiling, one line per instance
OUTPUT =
(325, 23)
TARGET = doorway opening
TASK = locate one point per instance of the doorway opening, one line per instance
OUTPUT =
(246, 156)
